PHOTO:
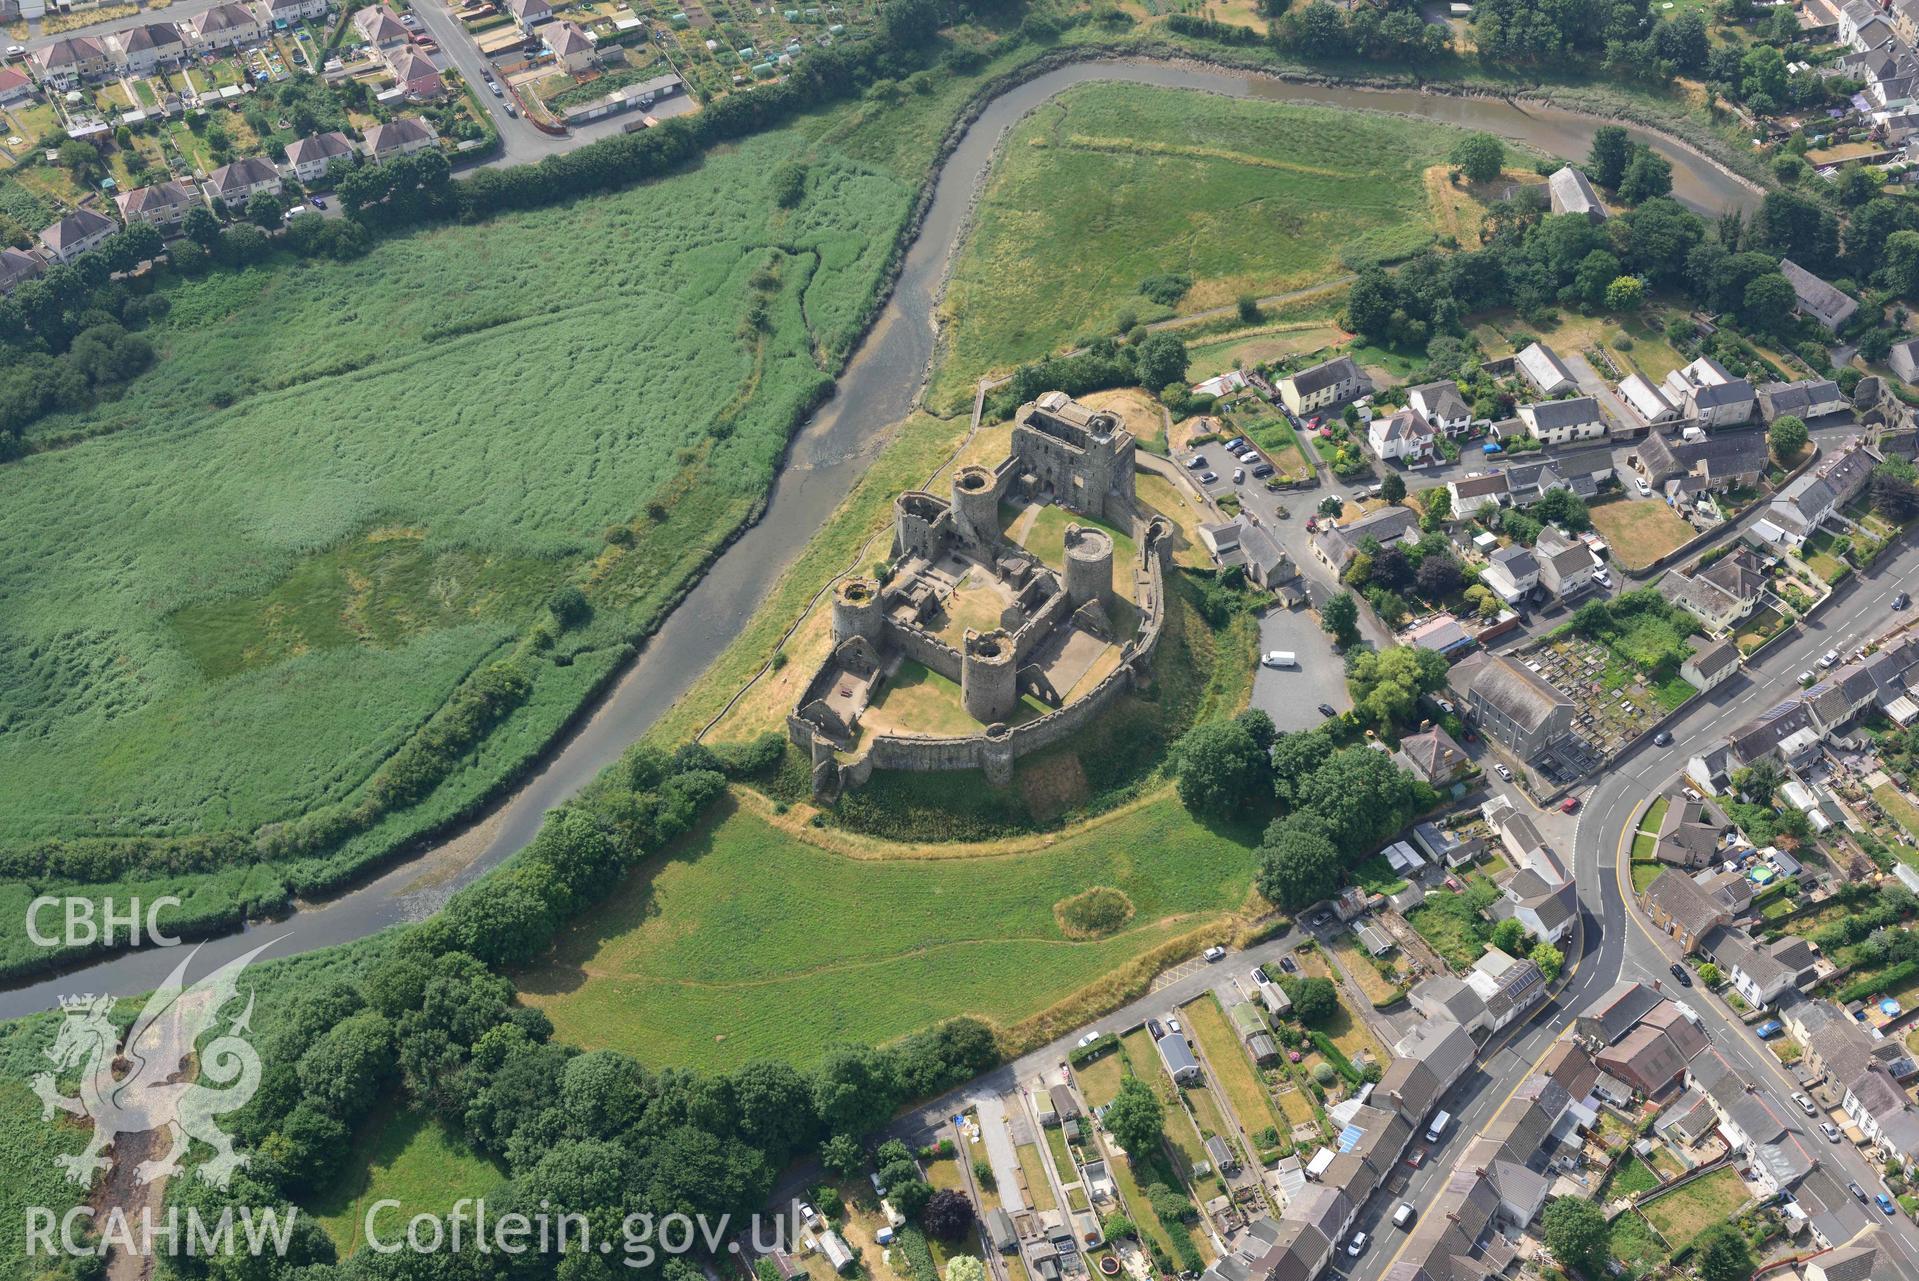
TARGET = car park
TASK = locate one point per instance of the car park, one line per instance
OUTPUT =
(1830, 1130)
(1209, 478)
(1679, 972)
(1196, 462)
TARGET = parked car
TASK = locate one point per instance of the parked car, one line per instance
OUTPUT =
(1680, 972)
(1856, 1190)
(1209, 478)
(1805, 678)
(1196, 462)
(1262, 471)
(1500, 768)
(1902, 600)
(1645, 490)
(1885, 1203)
(1828, 658)
(16, 51)
(1214, 953)
(1236, 444)
(808, 1215)
(319, 202)
(1403, 1216)
(1288, 964)
(1088, 1039)
(1154, 1030)
(1239, 475)
(1172, 1025)
(1327, 710)
(1662, 739)
(511, 113)
(494, 85)
(1830, 1130)
(1601, 577)
(1769, 1029)
(1568, 805)
(1357, 1246)
(1805, 1103)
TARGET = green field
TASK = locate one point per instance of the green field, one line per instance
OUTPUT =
(1110, 184)
(409, 1158)
(348, 486)
(28, 1145)
(747, 941)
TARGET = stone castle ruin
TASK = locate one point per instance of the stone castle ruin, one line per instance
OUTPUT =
(967, 602)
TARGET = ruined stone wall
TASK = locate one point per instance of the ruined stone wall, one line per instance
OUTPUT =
(924, 648)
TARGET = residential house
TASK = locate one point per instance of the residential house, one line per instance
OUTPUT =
(1825, 304)
(1474, 494)
(1715, 405)
(1508, 985)
(1904, 359)
(400, 136)
(1646, 400)
(282, 14)
(76, 233)
(1711, 666)
(310, 159)
(1444, 998)
(1808, 399)
(1442, 634)
(16, 86)
(1512, 572)
(1779, 1156)
(1528, 482)
(1544, 371)
(415, 74)
(1691, 833)
(1718, 462)
(1336, 545)
(1853, 15)
(233, 185)
(1762, 973)
(164, 204)
(1447, 847)
(16, 268)
(68, 62)
(1785, 732)
(1177, 1058)
(1432, 755)
(1566, 565)
(1880, 1109)
(144, 49)
(382, 31)
(1615, 1013)
(530, 13)
(1266, 564)
(1721, 594)
(1652, 1058)
(1327, 385)
(1518, 707)
(225, 26)
(1403, 436)
(1557, 422)
(1572, 193)
(572, 51)
(1797, 510)
(1857, 1260)
(1428, 1061)
(1545, 909)
(1442, 406)
(1684, 908)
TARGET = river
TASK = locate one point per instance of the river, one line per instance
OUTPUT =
(877, 389)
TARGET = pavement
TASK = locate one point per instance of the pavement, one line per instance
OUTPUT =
(1618, 943)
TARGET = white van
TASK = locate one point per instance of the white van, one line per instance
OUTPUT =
(1438, 1127)
(1280, 658)
(1403, 1215)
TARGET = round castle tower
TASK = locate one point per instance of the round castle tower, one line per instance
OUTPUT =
(976, 504)
(856, 610)
(1089, 565)
(989, 678)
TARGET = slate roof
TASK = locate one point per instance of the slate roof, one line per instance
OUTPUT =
(1441, 399)
(1572, 192)
(1550, 415)
(317, 147)
(242, 174)
(1684, 900)
(1434, 754)
(1327, 373)
(1519, 693)
(1542, 365)
(1828, 304)
(74, 228)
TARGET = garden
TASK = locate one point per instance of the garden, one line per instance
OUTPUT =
(1454, 923)
(1639, 530)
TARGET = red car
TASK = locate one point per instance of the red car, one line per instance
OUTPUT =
(1568, 805)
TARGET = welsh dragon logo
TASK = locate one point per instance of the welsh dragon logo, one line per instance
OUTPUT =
(146, 1085)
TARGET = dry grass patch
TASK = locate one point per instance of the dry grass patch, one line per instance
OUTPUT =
(1640, 530)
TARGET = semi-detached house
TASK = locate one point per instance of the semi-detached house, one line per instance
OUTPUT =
(1559, 422)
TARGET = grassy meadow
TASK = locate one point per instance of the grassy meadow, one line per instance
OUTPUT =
(406, 1157)
(348, 486)
(1108, 185)
(758, 937)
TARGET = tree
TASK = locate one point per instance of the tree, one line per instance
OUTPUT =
(1393, 488)
(1220, 768)
(1315, 1001)
(1895, 487)
(1596, 272)
(1577, 1233)
(1767, 304)
(1611, 153)
(1625, 293)
(965, 1267)
(1723, 1254)
(1549, 959)
(1480, 156)
(202, 228)
(1438, 502)
(1709, 974)
(1135, 1119)
(1509, 935)
(1788, 436)
(1162, 360)
(1438, 577)
(265, 210)
(1340, 616)
(1648, 175)
(1298, 863)
(911, 1196)
(1248, 309)
(1362, 797)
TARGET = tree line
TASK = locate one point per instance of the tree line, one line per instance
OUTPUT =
(435, 1025)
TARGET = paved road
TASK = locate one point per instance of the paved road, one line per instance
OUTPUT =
(1617, 943)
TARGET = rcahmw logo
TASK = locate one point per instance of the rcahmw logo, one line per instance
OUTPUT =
(147, 1096)
(259, 1232)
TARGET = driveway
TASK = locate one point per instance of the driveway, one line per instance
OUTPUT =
(1593, 385)
(1291, 696)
